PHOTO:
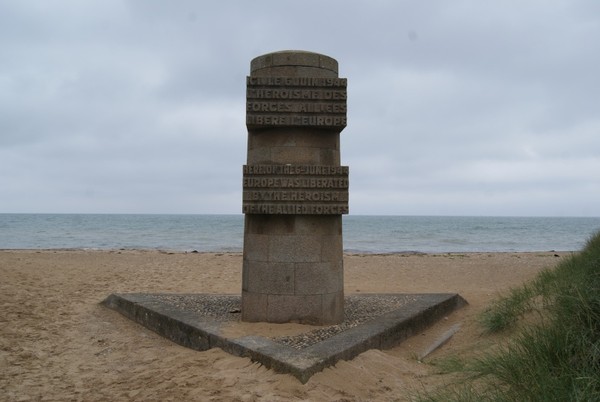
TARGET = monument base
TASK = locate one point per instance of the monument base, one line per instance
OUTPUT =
(373, 321)
(293, 269)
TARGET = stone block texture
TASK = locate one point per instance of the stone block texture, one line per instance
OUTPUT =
(293, 263)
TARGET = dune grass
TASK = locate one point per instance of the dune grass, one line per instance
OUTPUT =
(553, 352)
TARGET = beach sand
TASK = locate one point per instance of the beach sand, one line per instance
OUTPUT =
(58, 343)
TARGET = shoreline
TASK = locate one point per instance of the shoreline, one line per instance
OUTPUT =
(345, 252)
(58, 342)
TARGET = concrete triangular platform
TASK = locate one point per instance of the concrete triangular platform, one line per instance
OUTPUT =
(373, 321)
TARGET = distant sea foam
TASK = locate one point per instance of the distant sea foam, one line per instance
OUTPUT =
(224, 233)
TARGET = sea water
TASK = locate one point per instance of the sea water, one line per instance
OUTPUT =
(365, 234)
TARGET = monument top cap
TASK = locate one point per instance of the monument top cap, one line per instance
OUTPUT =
(295, 58)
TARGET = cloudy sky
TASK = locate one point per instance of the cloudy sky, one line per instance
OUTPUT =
(455, 107)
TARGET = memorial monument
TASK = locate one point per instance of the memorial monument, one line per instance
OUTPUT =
(294, 190)
(295, 193)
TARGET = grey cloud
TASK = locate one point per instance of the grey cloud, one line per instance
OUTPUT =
(455, 107)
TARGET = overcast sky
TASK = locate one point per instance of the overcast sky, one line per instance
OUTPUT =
(454, 107)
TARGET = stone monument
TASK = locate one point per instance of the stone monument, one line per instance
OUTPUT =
(294, 190)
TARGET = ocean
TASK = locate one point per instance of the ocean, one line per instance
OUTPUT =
(362, 234)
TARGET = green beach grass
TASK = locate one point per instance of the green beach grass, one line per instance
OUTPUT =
(553, 347)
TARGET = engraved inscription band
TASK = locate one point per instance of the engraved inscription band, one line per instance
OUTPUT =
(296, 102)
(295, 189)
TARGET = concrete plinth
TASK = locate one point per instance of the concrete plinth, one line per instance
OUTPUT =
(180, 319)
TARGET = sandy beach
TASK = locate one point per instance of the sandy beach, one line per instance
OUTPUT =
(58, 343)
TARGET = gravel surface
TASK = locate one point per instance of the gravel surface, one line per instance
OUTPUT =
(226, 308)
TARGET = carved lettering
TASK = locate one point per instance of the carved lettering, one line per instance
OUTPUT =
(296, 102)
(296, 94)
(306, 209)
(262, 182)
(295, 189)
(312, 196)
(296, 169)
(296, 81)
(289, 107)
(291, 120)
